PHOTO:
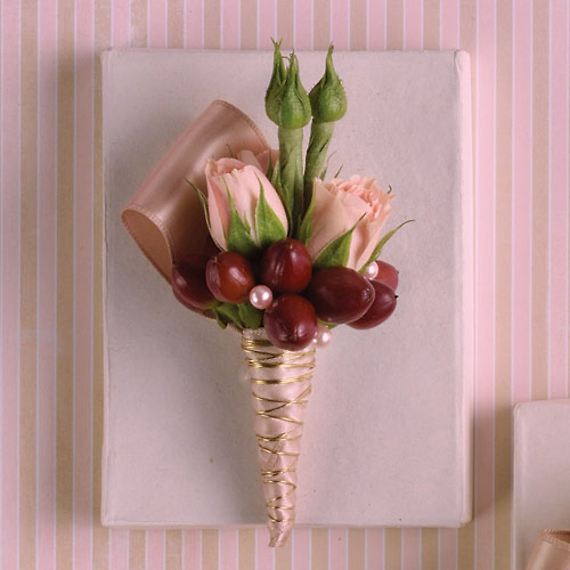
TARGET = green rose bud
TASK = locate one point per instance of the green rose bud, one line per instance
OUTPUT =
(328, 99)
(289, 106)
(276, 82)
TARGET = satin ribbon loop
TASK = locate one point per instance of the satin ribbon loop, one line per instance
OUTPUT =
(165, 217)
(551, 551)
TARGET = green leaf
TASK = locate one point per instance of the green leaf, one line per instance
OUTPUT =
(378, 249)
(249, 315)
(268, 225)
(239, 237)
(230, 313)
(306, 225)
(337, 251)
(221, 322)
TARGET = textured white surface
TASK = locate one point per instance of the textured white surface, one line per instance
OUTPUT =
(388, 437)
(541, 491)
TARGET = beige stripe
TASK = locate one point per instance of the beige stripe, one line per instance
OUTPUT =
(285, 22)
(358, 24)
(503, 267)
(28, 294)
(100, 534)
(210, 549)
(540, 203)
(466, 547)
(175, 23)
(246, 545)
(212, 24)
(468, 17)
(173, 549)
(139, 23)
(321, 24)
(248, 24)
(395, 24)
(357, 549)
(393, 548)
(137, 550)
(284, 556)
(431, 24)
(65, 169)
(430, 551)
(320, 549)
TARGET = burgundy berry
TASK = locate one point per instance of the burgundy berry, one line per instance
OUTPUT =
(382, 307)
(189, 283)
(286, 266)
(230, 277)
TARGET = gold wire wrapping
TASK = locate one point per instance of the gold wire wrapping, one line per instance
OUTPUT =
(281, 386)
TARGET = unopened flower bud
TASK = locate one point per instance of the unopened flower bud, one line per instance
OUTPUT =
(276, 82)
(328, 99)
(289, 106)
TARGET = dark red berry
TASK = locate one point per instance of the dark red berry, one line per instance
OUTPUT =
(387, 274)
(290, 322)
(340, 295)
(189, 283)
(230, 277)
(382, 307)
(286, 266)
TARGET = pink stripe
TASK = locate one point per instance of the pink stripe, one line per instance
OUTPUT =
(264, 556)
(121, 23)
(375, 549)
(338, 549)
(155, 549)
(191, 540)
(47, 204)
(266, 24)
(449, 32)
(413, 25)
(558, 210)
(376, 24)
(228, 549)
(230, 24)
(485, 283)
(157, 33)
(303, 25)
(119, 559)
(448, 548)
(340, 17)
(194, 32)
(10, 290)
(83, 298)
(411, 549)
(522, 199)
(302, 549)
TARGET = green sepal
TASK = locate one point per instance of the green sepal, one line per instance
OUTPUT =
(286, 197)
(378, 249)
(239, 238)
(306, 225)
(268, 225)
(337, 251)
(206, 209)
(230, 313)
(249, 315)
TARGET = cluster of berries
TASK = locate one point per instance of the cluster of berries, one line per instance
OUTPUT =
(299, 306)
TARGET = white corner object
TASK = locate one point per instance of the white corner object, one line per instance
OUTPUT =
(388, 436)
(541, 473)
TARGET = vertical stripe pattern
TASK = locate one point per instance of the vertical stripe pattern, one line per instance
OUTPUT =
(51, 223)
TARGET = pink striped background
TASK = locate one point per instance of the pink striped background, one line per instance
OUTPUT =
(50, 262)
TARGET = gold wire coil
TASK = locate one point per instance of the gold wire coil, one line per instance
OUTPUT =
(273, 369)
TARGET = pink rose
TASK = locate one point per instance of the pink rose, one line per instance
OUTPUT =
(243, 183)
(339, 204)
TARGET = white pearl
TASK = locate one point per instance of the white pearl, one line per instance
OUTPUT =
(261, 297)
(324, 336)
(372, 270)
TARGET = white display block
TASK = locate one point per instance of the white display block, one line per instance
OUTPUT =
(388, 437)
(541, 469)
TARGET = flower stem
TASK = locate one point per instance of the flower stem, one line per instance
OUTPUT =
(288, 173)
(319, 141)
